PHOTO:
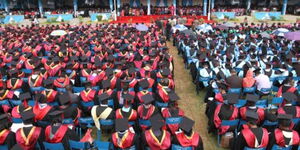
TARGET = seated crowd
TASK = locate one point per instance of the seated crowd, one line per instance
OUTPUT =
(252, 83)
(113, 77)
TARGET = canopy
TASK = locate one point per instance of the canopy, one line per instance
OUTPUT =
(142, 27)
(204, 28)
(293, 35)
(280, 31)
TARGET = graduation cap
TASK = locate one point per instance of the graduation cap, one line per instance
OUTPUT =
(147, 99)
(186, 124)
(56, 114)
(74, 58)
(165, 72)
(103, 97)
(25, 96)
(64, 98)
(47, 82)
(252, 98)
(288, 96)
(173, 96)
(157, 121)
(128, 97)
(121, 124)
(17, 147)
(41, 98)
(27, 115)
(105, 84)
(144, 83)
(98, 63)
(131, 70)
(284, 117)
(55, 59)
(3, 119)
(232, 98)
(13, 72)
(118, 63)
(83, 58)
(251, 115)
(14, 63)
(109, 72)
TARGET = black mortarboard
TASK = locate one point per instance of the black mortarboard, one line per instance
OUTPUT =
(173, 96)
(41, 98)
(186, 124)
(252, 98)
(64, 98)
(17, 147)
(128, 97)
(83, 58)
(284, 116)
(3, 119)
(251, 115)
(98, 63)
(232, 98)
(165, 72)
(147, 99)
(118, 63)
(74, 58)
(103, 97)
(288, 96)
(47, 82)
(14, 63)
(56, 59)
(27, 115)
(109, 72)
(56, 114)
(144, 83)
(105, 84)
(24, 96)
(121, 124)
(157, 121)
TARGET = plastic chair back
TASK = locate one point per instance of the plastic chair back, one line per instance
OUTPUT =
(4, 102)
(68, 121)
(173, 120)
(78, 89)
(89, 121)
(102, 145)
(241, 103)
(3, 147)
(53, 146)
(37, 89)
(249, 90)
(144, 122)
(79, 145)
(15, 102)
(178, 147)
(87, 104)
(108, 122)
(235, 90)
(277, 147)
(230, 122)
(16, 120)
(248, 148)
(277, 100)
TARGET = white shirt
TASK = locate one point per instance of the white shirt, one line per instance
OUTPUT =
(262, 81)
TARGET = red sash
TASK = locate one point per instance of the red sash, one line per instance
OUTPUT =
(141, 94)
(291, 90)
(29, 142)
(7, 95)
(84, 73)
(17, 85)
(132, 83)
(149, 113)
(218, 121)
(40, 113)
(61, 82)
(3, 134)
(132, 116)
(113, 82)
(219, 97)
(28, 65)
(153, 142)
(279, 137)
(58, 136)
(186, 141)
(151, 82)
(164, 95)
(250, 138)
(50, 95)
(16, 112)
(281, 111)
(54, 70)
(260, 112)
(37, 82)
(87, 96)
(125, 142)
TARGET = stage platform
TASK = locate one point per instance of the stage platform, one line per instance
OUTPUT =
(152, 18)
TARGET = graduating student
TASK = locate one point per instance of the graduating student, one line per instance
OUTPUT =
(172, 111)
(288, 108)
(283, 136)
(35, 80)
(29, 135)
(14, 83)
(7, 137)
(103, 112)
(59, 133)
(51, 95)
(62, 81)
(186, 137)
(224, 111)
(127, 111)
(253, 136)
(41, 109)
(69, 111)
(143, 86)
(288, 86)
(156, 138)
(251, 106)
(125, 136)
(146, 110)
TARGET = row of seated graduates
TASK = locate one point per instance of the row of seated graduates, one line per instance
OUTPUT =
(48, 62)
(224, 111)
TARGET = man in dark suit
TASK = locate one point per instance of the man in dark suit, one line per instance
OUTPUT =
(234, 81)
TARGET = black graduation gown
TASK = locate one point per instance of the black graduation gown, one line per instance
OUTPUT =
(240, 142)
(136, 141)
(272, 142)
(25, 87)
(41, 138)
(70, 135)
(70, 112)
(10, 140)
(99, 110)
(199, 147)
